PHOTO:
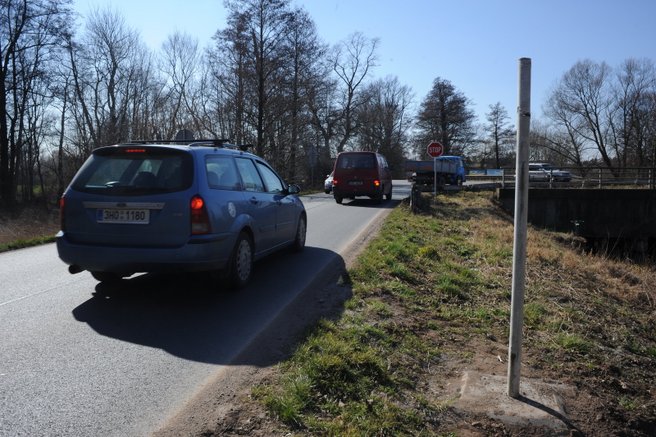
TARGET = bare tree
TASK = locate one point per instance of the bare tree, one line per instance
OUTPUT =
(633, 124)
(216, 106)
(582, 100)
(383, 120)
(325, 111)
(596, 114)
(352, 60)
(105, 67)
(30, 33)
(181, 59)
(564, 137)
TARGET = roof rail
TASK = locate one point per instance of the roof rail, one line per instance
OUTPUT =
(204, 142)
(159, 141)
(217, 142)
(210, 142)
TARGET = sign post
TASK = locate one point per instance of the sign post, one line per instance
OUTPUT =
(435, 149)
(521, 214)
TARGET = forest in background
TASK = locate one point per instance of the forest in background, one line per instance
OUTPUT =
(268, 79)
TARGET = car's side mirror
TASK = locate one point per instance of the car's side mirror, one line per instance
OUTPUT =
(293, 189)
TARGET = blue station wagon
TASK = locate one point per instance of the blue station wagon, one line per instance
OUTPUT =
(153, 207)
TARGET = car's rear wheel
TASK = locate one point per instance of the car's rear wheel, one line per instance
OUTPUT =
(108, 277)
(388, 196)
(241, 262)
(301, 230)
(338, 199)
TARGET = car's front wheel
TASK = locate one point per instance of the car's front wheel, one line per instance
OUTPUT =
(241, 262)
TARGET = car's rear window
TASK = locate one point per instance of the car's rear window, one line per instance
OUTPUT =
(356, 161)
(135, 171)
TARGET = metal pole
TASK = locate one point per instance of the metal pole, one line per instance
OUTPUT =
(521, 213)
(434, 177)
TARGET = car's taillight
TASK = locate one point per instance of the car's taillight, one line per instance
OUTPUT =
(376, 183)
(200, 220)
(62, 217)
(334, 182)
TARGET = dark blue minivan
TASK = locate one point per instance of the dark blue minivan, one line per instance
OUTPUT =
(152, 207)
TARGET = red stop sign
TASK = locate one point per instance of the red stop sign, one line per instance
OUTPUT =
(435, 149)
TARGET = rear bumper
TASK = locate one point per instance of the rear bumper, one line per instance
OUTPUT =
(210, 253)
(347, 191)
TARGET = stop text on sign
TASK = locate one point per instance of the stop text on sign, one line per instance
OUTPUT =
(435, 149)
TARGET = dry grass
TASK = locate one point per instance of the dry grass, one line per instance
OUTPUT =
(21, 225)
(432, 296)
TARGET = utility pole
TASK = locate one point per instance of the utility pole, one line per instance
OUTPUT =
(521, 213)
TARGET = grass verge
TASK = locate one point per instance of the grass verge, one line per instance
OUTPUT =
(27, 226)
(21, 244)
(431, 296)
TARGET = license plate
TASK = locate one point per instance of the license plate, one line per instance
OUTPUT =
(355, 183)
(123, 216)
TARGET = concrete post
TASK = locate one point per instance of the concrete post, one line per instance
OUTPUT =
(521, 214)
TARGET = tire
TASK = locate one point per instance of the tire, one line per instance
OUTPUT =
(388, 196)
(338, 199)
(301, 230)
(240, 268)
(107, 277)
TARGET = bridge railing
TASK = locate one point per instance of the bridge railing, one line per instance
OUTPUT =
(589, 177)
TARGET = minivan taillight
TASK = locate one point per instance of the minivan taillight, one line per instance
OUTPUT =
(376, 183)
(200, 220)
(334, 182)
(62, 218)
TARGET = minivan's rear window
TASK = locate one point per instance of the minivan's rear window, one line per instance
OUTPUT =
(356, 161)
(135, 171)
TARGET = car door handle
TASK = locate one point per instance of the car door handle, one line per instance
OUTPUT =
(254, 201)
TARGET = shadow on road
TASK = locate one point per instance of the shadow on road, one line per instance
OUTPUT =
(189, 317)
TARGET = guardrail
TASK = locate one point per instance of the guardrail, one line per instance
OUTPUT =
(590, 177)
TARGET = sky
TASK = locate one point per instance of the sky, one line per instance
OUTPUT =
(474, 44)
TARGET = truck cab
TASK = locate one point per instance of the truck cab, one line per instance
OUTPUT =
(460, 175)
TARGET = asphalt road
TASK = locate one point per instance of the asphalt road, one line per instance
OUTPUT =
(80, 359)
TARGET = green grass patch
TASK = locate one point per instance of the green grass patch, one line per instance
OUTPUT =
(573, 342)
(534, 314)
(21, 244)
